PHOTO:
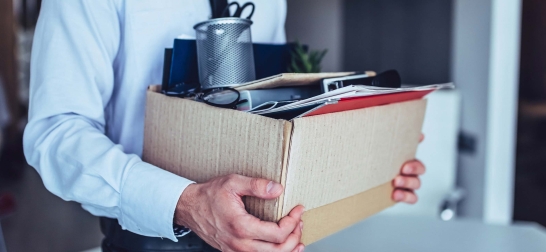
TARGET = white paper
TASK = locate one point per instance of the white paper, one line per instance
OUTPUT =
(354, 91)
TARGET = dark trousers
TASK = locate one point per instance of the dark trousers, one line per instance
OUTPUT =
(119, 240)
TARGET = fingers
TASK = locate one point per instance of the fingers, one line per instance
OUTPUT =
(404, 196)
(292, 243)
(273, 232)
(299, 248)
(406, 182)
(292, 221)
(422, 137)
(261, 188)
(413, 168)
(298, 232)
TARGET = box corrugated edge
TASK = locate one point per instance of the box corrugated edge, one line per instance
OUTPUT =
(329, 219)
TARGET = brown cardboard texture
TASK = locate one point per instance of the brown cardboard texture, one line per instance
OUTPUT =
(339, 165)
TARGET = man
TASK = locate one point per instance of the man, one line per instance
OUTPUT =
(91, 64)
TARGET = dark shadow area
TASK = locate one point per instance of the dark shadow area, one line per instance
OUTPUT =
(530, 188)
(44, 222)
(413, 37)
(32, 218)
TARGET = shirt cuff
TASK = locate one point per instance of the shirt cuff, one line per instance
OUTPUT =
(148, 200)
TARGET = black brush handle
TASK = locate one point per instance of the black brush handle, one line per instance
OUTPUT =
(167, 62)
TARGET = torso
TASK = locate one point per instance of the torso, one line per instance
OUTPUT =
(147, 28)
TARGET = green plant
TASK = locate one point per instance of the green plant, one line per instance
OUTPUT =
(304, 60)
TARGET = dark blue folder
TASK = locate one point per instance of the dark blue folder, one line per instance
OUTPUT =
(271, 59)
(184, 62)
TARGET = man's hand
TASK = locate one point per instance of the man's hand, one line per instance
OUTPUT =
(408, 181)
(214, 211)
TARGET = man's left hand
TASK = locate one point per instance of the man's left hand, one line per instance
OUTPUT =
(408, 181)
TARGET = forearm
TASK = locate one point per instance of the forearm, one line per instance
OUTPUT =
(78, 162)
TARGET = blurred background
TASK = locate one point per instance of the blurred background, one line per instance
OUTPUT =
(485, 145)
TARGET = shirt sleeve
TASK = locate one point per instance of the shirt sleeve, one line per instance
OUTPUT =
(72, 80)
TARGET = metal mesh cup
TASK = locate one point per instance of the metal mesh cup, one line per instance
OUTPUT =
(224, 52)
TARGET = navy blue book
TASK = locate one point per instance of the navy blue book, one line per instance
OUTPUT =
(271, 59)
(184, 62)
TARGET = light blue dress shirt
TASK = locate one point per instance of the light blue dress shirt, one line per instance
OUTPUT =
(92, 61)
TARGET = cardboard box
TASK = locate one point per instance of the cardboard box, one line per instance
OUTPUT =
(338, 165)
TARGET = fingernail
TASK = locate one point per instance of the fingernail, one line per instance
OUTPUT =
(269, 186)
(408, 169)
(273, 187)
(398, 196)
(302, 248)
(301, 225)
(399, 182)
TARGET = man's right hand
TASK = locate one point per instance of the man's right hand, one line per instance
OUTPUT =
(215, 211)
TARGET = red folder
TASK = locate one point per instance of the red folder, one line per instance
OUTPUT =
(368, 101)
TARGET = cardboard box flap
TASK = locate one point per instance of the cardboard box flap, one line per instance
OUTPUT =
(178, 130)
(287, 134)
(293, 79)
(339, 155)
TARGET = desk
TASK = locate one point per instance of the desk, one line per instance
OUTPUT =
(422, 234)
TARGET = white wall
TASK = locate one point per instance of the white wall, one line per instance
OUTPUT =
(502, 111)
(470, 72)
(318, 23)
(485, 69)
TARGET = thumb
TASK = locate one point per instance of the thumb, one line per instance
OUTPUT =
(256, 187)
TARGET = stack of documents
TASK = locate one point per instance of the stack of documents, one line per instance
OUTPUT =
(350, 92)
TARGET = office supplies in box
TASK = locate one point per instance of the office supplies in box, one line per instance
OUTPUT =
(363, 84)
(358, 95)
(269, 60)
(338, 164)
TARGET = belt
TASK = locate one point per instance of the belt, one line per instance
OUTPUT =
(118, 240)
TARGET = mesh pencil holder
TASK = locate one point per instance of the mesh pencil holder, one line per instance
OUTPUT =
(224, 52)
